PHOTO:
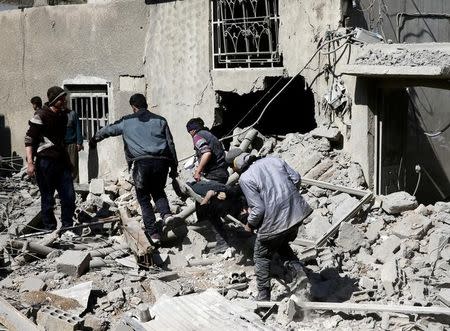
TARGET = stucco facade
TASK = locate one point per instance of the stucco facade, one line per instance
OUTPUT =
(168, 44)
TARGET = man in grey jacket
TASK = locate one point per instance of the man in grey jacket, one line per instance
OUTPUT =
(276, 210)
(149, 147)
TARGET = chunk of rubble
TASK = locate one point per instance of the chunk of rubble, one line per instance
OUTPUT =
(390, 276)
(73, 263)
(350, 238)
(387, 249)
(32, 284)
(318, 226)
(413, 226)
(344, 208)
(97, 186)
(331, 133)
(373, 229)
(398, 202)
(160, 288)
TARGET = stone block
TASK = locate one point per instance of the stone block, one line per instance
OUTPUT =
(317, 227)
(350, 238)
(194, 244)
(73, 263)
(344, 208)
(116, 295)
(387, 249)
(444, 296)
(398, 202)
(177, 261)
(32, 284)
(331, 133)
(413, 226)
(389, 276)
(319, 169)
(159, 288)
(53, 319)
(374, 228)
(97, 186)
(307, 162)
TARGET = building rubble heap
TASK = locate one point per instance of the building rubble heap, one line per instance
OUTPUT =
(394, 252)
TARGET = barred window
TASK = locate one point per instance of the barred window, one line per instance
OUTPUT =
(91, 104)
(245, 33)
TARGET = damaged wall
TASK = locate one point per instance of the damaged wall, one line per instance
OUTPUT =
(45, 46)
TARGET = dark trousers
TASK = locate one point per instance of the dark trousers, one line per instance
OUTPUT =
(54, 175)
(72, 150)
(264, 251)
(150, 176)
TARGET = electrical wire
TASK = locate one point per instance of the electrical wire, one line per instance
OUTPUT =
(419, 176)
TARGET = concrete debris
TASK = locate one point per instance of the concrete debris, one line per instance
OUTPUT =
(392, 258)
(53, 319)
(398, 202)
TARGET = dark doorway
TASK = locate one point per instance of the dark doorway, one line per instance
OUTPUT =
(291, 111)
(415, 142)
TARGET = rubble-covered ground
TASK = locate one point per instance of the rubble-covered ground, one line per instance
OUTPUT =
(393, 252)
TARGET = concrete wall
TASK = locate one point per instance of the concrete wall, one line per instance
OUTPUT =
(46, 46)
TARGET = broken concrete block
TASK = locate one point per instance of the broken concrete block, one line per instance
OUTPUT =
(116, 295)
(317, 227)
(97, 186)
(387, 248)
(177, 261)
(366, 283)
(344, 208)
(398, 202)
(444, 296)
(307, 162)
(389, 276)
(365, 258)
(441, 206)
(435, 242)
(53, 319)
(194, 244)
(413, 226)
(356, 175)
(350, 238)
(330, 133)
(32, 284)
(73, 263)
(373, 229)
(159, 288)
(417, 289)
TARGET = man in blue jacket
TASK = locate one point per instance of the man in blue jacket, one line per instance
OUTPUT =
(149, 147)
(276, 210)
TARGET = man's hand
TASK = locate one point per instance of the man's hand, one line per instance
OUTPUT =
(93, 143)
(197, 176)
(30, 169)
(248, 228)
(80, 147)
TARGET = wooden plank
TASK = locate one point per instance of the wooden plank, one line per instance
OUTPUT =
(13, 319)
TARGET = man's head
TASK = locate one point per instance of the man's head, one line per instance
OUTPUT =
(36, 102)
(56, 97)
(194, 125)
(138, 101)
(239, 160)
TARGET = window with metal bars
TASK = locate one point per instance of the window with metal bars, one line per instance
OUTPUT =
(91, 104)
(245, 33)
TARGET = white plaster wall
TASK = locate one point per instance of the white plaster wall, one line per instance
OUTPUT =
(45, 46)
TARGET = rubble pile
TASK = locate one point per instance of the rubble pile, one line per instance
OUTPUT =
(385, 252)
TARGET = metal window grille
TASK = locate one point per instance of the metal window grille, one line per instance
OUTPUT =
(245, 33)
(92, 109)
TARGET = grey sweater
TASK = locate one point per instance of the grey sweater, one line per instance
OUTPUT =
(145, 135)
(271, 189)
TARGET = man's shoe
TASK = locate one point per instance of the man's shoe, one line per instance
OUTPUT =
(155, 238)
(263, 295)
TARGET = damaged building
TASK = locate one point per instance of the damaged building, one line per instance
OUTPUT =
(353, 94)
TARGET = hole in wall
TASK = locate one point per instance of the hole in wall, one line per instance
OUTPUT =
(291, 111)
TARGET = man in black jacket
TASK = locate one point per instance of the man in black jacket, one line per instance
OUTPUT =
(149, 146)
(47, 158)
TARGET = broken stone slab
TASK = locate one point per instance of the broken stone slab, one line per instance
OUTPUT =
(73, 263)
(435, 247)
(387, 249)
(318, 226)
(417, 290)
(444, 296)
(319, 169)
(344, 208)
(97, 186)
(116, 295)
(373, 229)
(177, 261)
(356, 175)
(32, 284)
(330, 133)
(350, 238)
(194, 244)
(306, 162)
(80, 293)
(398, 202)
(389, 276)
(160, 288)
(413, 226)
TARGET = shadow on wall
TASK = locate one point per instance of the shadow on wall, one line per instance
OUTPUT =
(291, 111)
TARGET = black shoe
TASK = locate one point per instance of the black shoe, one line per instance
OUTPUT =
(263, 295)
